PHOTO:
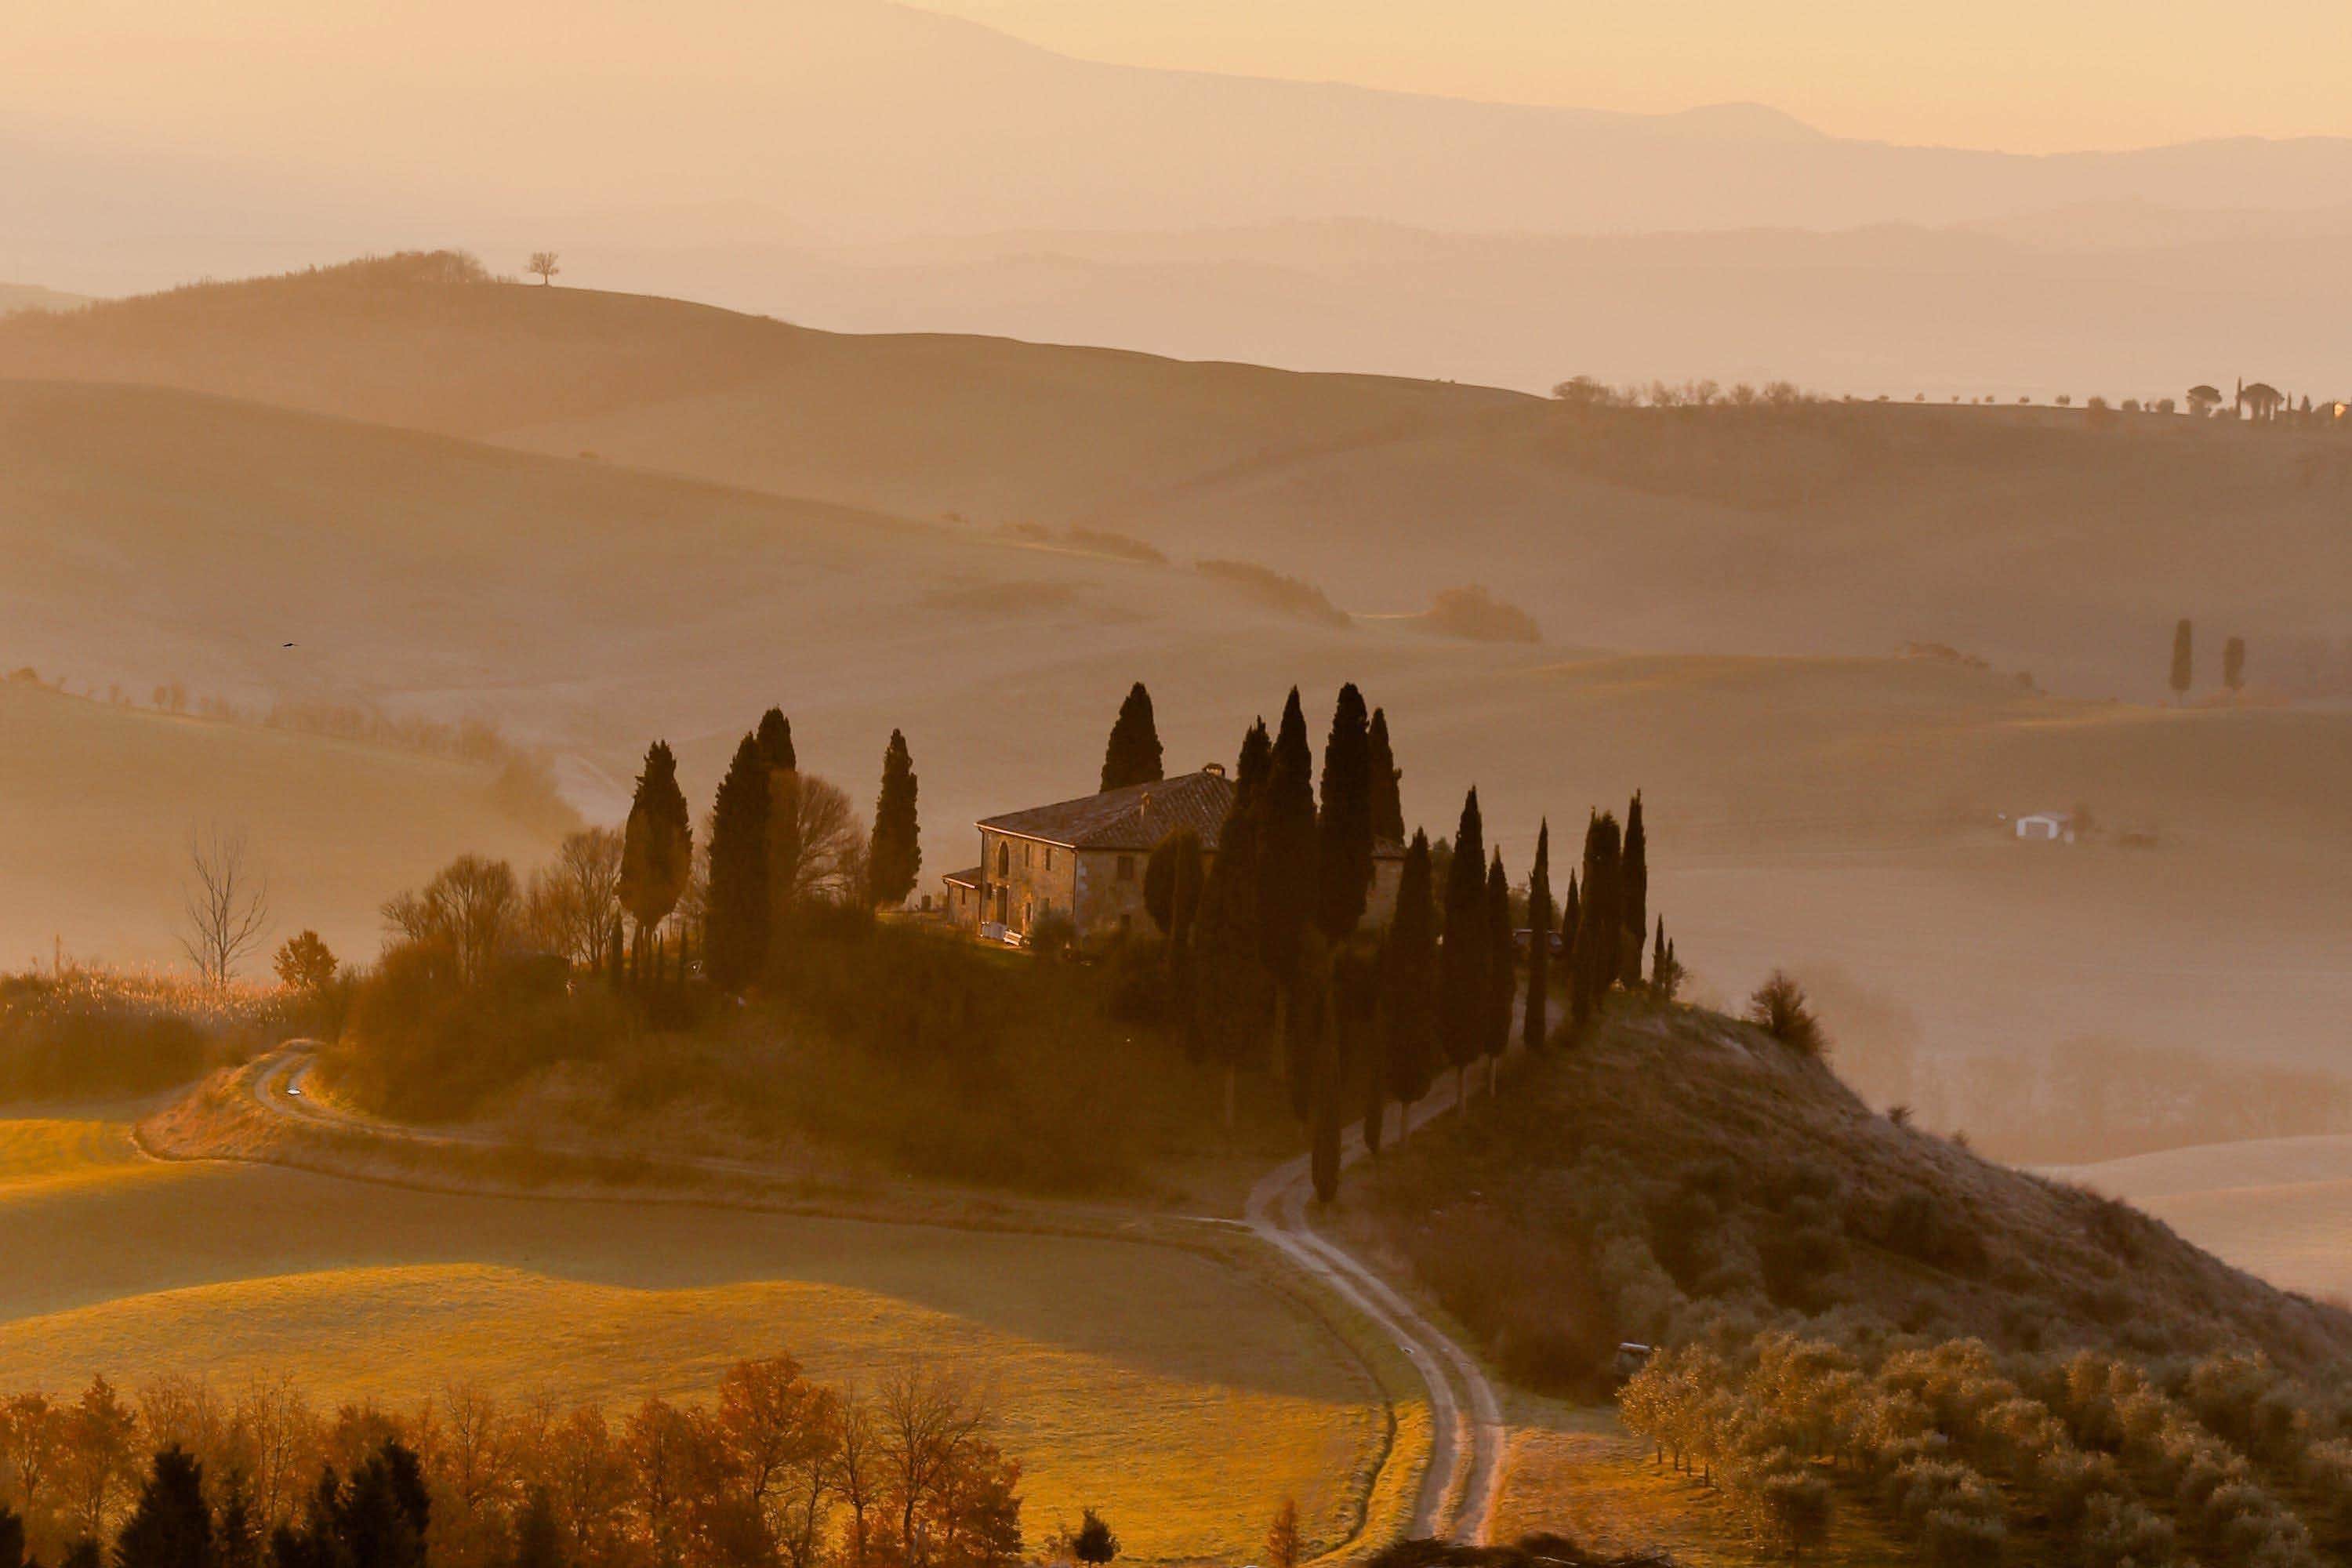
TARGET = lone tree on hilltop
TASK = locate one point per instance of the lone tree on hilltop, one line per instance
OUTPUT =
(1534, 1022)
(1388, 801)
(735, 919)
(1133, 755)
(657, 846)
(2184, 662)
(2203, 400)
(2233, 664)
(895, 853)
(542, 267)
(1462, 979)
(1407, 1003)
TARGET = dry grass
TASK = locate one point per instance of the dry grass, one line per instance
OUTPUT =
(1578, 1473)
(97, 803)
(2279, 1206)
(1217, 1395)
(1682, 1169)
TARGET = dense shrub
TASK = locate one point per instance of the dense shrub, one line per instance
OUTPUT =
(97, 1032)
(421, 1048)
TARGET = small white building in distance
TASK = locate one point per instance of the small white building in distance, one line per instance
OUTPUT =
(2047, 828)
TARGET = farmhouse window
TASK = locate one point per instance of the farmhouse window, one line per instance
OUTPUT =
(1127, 868)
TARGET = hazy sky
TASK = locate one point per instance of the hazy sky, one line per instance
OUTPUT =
(2017, 75)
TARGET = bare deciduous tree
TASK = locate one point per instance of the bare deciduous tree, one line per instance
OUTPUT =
(470, 910)
(542, 267)
(816, 843)
(227, 901)
(575, 904)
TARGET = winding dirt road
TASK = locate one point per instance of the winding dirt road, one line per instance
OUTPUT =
(1468, 1439)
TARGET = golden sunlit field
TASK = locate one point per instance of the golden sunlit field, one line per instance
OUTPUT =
(1181, 1396)
(1578, 1473)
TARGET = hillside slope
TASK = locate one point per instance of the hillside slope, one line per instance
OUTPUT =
(2027, 537)
(97, 804)
(1681, 1169)
(1839, 813)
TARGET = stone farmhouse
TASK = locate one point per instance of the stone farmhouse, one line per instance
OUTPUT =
(1084, 858)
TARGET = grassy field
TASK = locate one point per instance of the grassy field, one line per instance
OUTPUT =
(38, 1155)
(1217, 1396)
(97, 803)
(2279, 1206)
(1578, 1472)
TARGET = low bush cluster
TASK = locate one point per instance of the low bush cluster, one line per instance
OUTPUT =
(94, 1032)
(2115, 1467)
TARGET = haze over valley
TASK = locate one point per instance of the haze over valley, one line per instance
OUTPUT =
(837, 786)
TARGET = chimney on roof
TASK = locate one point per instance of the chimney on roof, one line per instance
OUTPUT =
(1214, 770)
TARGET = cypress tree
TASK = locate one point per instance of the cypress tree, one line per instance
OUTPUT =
(897, 852)
(2184, 663)
(1388, 799)
(775, 737)
(1407, 994)
(1318, 1003)
(2233, 664)
(1344, 842)
(1172, 882)
(1571, 911)
(1233, 992)
(1601, 923)
(657, 844)
(240, 1530)
(1461, 968)
(171, 1526)
(735, 928)
(1286, 888)
(1536, 1021)
(1633, 891)
(1250, 769)
(1343, 861)
(1132, 755)
(539, 1536)
(1658, 986)
(1502, 966)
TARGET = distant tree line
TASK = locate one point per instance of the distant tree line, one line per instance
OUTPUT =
(775, 1471)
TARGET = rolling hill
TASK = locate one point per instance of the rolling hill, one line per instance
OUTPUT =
(97, 804)
(1837, 813)
(862, 120)
(2028, 537)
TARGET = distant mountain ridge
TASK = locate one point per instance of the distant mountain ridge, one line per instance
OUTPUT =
(861, 122)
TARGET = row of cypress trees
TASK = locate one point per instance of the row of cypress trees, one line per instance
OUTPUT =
(754, 825)
(1263, 940)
